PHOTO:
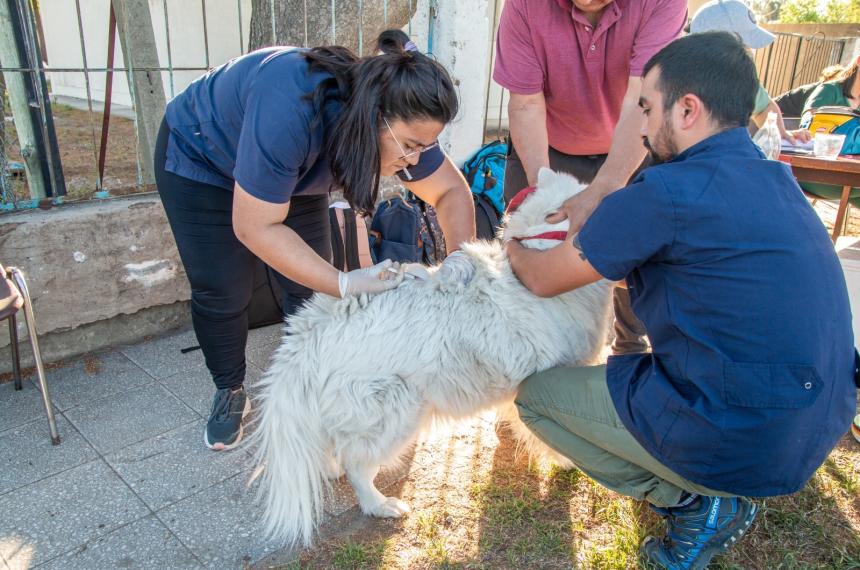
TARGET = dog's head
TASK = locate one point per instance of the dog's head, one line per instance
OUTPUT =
(525, 219)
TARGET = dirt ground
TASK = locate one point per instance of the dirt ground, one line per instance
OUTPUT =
(78, 138)
(478, 504)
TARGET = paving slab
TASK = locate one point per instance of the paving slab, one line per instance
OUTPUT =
(195, 387)
(93, 377)
(143, 544)
(122, 419)
(21, 406)
(53, 516)
(163, 357)
(221, 525)
(27, 454)
(266, 335)
(175, 465)
(261, 355)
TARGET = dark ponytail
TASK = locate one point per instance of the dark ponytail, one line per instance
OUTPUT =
(399, 84)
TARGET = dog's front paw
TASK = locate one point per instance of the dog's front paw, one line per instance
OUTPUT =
(391, 508)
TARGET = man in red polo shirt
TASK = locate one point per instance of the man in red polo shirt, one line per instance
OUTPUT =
(574, 68)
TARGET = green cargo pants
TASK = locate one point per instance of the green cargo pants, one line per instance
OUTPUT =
(570, 409)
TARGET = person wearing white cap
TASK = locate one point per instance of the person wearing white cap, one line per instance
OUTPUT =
(731, 16)
(736, 17)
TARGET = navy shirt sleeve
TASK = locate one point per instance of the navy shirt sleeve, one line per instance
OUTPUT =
(275, 138)
(428, 163)
(629, 227)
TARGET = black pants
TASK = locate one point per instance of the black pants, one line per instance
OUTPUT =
(629, 330)
(220, 269)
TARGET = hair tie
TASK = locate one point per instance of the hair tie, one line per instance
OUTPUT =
(410, 46)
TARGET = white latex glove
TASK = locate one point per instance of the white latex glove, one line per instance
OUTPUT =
(370, 280)
(456, 269)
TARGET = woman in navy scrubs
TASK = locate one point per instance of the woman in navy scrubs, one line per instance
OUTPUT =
(244, 162)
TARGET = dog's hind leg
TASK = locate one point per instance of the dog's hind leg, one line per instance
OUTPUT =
(371, 501)
(376, 419)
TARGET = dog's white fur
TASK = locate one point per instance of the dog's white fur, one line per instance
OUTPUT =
(356, 380)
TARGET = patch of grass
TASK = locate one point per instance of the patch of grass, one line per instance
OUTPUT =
(357, 556)
(428, 524)
(622, 519)
(436, 552)
(510, 506)
(846, 475)
(430, 528)
(550, 538)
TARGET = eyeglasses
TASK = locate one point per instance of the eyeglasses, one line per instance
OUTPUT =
(410, 154)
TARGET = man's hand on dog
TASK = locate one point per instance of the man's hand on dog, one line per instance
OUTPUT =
(578, 208)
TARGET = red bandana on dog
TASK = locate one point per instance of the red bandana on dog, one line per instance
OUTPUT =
(517, 201)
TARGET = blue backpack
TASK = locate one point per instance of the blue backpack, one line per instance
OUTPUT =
(485, 174)
(851, 130)
(405, 229)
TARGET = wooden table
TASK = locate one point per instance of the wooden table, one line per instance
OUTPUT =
(842, 171)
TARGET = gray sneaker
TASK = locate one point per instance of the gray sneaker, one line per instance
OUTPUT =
(224, 428)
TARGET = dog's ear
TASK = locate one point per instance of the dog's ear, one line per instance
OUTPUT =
(545, 177)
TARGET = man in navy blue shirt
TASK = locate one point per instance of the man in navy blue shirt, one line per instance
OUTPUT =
(750, 382)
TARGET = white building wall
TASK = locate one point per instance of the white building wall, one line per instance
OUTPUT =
(59, 19)
(462, 42)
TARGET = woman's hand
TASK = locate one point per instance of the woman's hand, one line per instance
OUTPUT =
(369, 280)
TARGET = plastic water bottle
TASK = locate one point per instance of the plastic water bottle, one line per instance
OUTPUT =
(768, 138)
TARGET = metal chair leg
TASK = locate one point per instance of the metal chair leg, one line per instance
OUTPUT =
(16, 356)
(18, 278)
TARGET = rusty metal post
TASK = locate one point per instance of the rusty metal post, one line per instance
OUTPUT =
(108, 93)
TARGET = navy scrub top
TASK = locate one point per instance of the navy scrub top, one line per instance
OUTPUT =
(249, 121)
(750, 382)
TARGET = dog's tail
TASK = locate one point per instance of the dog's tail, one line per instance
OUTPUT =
(527, 441)
(291, 458)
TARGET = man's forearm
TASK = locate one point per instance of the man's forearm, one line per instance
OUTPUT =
(626, 152)
(551, 272)
(527, 117)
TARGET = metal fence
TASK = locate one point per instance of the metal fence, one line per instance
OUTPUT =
(74, 140)
(793, 60)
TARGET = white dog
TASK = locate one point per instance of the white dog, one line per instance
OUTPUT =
(356, 380)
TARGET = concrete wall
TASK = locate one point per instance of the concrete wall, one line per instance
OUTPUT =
(100, 273)
(461, 42)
